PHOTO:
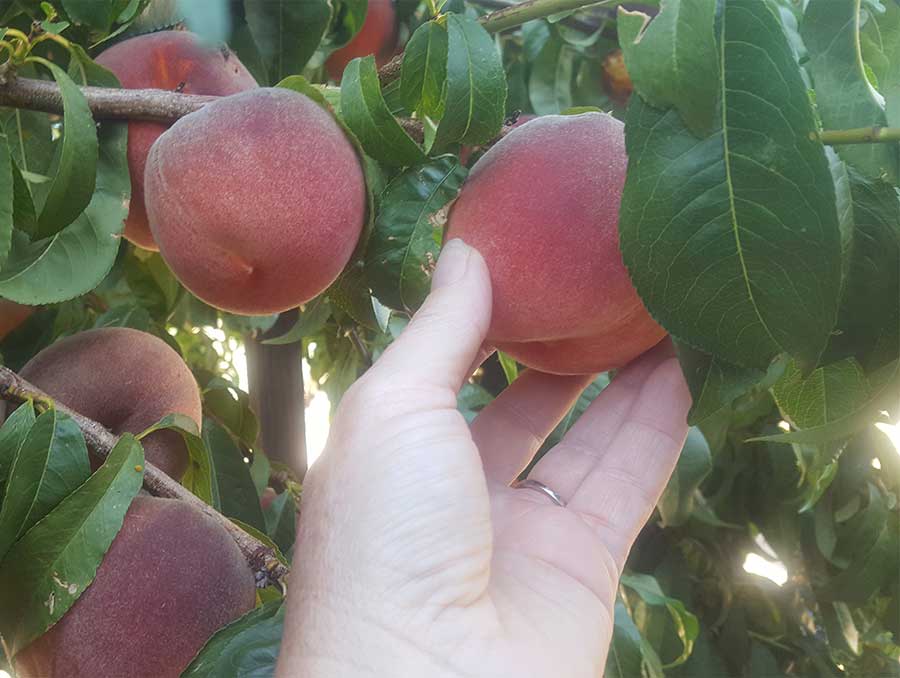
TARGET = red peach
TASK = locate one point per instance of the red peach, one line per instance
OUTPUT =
(174, 61)
(542, 207)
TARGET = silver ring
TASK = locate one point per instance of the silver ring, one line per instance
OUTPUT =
(531, 484)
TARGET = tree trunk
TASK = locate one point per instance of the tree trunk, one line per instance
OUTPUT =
(275, 374)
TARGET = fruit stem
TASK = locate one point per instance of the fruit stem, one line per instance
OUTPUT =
(860, 135)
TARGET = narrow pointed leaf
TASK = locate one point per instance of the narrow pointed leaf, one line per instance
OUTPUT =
(673, 61)
(365, 112)
(424, 70)
(76, 172)
(287, 32)
(52, 565)
(475, 101)
(844, 97)
(12, 435)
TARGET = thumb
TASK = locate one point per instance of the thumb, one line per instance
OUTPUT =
(441, 342)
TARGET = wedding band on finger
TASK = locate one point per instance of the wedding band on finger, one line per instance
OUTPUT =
(538, 486)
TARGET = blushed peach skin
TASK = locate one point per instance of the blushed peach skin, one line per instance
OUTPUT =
(12, 315)
(173, 61)
(542, 208)
(125, 379)
(257, 201)
(171, 578)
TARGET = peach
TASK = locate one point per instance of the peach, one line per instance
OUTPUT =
(169, 60)
(125, 379)
(465, 153)
(171, 578)
(542, 207)
(378, 36)
(12, 315)
(257, 200)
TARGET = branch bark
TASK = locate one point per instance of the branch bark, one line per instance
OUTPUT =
(275, 373)
(105, 102)
(261, 559)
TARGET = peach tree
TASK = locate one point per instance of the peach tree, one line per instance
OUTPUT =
(153, 165)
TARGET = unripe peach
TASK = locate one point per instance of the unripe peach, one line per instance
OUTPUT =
(174, 61)
(11, 316)
(125, 379)
(378, 36)
(256, 200)
(171, 578)
(542, 207)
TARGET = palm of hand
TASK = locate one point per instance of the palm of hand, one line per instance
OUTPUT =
(433, 564)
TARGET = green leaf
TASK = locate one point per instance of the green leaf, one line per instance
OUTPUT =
(76, 172)
(844, 97)
(732, 240)
(713, 383)
(96, 14)
(246, 647)
(673, 61)
(880, 46)
(471, 399)
(281, 521)
(12, 435)
(630, 656)
(287, 32)
(51, 566)
(24, 214)
(869, 570)
(49, 464)
(405, 243)
(694, 464)
(884, 386)
(424, 70)
(311, 319)
(475, 98)
(686, 625)
(365, 112)
(7, 198)
(350, 293)
(840, 627)
(550, 84)
(198, 478)
(826, 395)
(509, 365)
(869, 320)
(231, 476)
(76, 259)
(231, 407)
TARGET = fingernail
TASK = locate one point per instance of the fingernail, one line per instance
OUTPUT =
(452, 264)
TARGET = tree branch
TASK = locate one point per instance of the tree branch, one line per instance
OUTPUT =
(261, 559)
(104, 102)
(860, 135)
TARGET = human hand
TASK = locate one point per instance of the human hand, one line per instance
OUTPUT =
(414, 555)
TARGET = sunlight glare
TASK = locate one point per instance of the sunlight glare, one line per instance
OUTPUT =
(773, 570)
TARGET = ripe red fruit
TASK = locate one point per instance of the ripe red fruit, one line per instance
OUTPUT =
(378, 36)
(11, 316)
(257, 200)
(125, 379)
(542, 207)
(173, 61)
(171, 578)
